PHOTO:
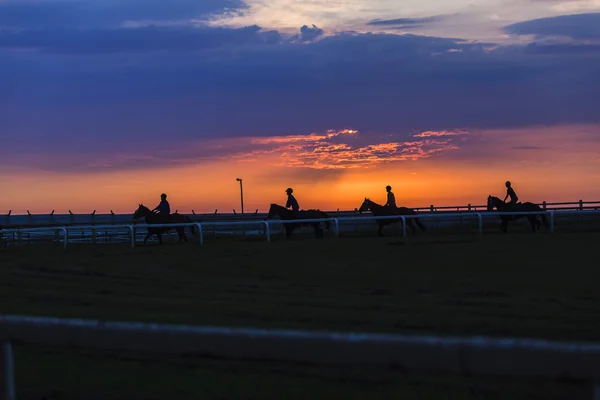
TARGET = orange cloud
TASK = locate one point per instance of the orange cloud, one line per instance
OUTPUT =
(321, 152)
(440, 133)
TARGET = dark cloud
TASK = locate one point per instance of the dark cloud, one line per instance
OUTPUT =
(308, 34)
(104, 91)
(407, 22)
(60, 14)
(529, 148)
(576, 26)
(92, 41)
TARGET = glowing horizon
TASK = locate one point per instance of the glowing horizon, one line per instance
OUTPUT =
(336, 169)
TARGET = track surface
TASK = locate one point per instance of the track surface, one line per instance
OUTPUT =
(541, 286)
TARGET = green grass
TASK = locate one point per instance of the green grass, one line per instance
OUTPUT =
(541, 286)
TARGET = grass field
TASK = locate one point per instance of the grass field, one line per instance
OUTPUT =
(542, 286)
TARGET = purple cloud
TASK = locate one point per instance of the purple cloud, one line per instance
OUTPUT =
(576, 26)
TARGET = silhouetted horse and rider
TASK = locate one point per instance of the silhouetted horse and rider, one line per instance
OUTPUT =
(163, 216)
(295, 214)
(501, 206)
(390, 209)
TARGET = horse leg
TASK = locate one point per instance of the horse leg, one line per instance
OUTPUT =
(182, 236)
(535, 224)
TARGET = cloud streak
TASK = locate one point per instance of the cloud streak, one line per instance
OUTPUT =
(325, 152)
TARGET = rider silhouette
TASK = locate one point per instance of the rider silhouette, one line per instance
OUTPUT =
(291, 201)
(510, 192)
(163, 208)
(391, 199)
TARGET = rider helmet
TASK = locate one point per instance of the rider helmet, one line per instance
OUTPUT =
(507, 183)
(289, 190)
(163, 196)
(388, 187)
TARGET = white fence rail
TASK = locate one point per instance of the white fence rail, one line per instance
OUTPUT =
(475, 356)
(268, 223)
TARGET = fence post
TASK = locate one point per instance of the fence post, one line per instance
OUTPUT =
(200, 233)
(8, 373)
(581, 204)
(480, 223)
(551, 221)
(337, 227)
(404, 225)
(469, 207)
(544, 204)
(267, 230)
(65, 236)
(132, 234)
(93, 230)
(8, 217)
(431, 208)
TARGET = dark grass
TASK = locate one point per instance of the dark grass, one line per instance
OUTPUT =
(540, 286)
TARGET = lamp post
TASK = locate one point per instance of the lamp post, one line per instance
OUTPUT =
(242, 202)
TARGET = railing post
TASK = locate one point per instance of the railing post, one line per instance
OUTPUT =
(93, 230)
(65, 236)
(544, 205)
(431, 208)
(480, 223)
(267, 230)
(581, 204)
(8, 373)
(132, 235)
(403, 226)
(468, 207)
(200, 233)
(337, 227)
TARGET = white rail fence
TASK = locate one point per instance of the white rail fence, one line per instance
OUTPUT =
(269, 223)
(474, 356)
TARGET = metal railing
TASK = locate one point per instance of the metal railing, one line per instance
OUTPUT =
(268, 223)
(71, 219)
(471, 356)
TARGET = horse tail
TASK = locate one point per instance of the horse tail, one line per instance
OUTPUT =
(418, 221)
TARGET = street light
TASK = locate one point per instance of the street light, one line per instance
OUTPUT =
(242, 202)
(241, 194)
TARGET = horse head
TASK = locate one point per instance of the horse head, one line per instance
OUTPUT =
(365, 206)
(493, 202)
(272, 210)
(142, 211)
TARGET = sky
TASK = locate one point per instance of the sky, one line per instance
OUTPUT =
(105, 104)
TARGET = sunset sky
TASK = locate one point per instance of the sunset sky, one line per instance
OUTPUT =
(105, 104)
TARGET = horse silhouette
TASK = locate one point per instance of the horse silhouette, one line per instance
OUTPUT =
(381, 211)
(501, 206)
(289, 215)
(153, 218)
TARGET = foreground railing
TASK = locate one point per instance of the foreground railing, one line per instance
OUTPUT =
(269, 223)
(474, 356)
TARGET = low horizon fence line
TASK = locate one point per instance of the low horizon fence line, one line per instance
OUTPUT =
(268, 222)
(460, 356)
(572, 205)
